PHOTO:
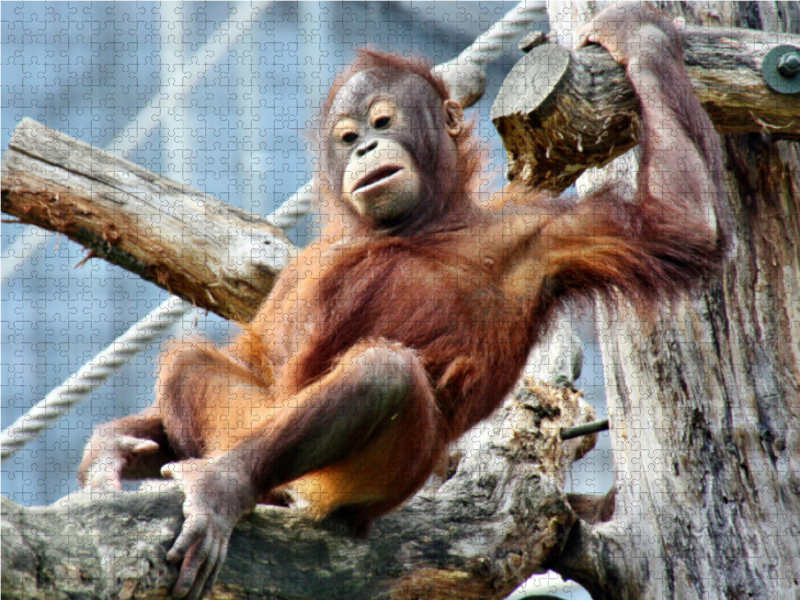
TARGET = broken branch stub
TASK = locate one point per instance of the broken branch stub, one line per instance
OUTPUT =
(561, 112)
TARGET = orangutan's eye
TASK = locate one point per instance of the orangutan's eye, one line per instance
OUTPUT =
(383, 114)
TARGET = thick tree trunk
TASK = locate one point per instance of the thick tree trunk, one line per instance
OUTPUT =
(705, 408)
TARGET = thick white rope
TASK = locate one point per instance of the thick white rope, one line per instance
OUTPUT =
(92, 375)
(487, 48)
(78, 386)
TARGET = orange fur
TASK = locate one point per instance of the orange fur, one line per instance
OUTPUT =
(442, 315)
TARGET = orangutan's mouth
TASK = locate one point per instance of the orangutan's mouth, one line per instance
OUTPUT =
(378, 175)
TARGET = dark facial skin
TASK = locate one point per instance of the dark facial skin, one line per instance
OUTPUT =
(385, 135)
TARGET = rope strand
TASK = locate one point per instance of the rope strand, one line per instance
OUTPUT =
(487, 48)
(484, 50)
(92, 375)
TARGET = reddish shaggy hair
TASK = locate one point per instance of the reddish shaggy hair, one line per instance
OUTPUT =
(370, 59)
(468, 147)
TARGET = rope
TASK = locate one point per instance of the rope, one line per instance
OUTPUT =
(92, 375)
(95, 373)
(230, 32)
(487, 48)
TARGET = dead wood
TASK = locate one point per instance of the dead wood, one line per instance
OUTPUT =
(479, 534)
(219, 257)
(561, 112)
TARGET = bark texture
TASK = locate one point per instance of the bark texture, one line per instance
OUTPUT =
(477, 535)
(560, 111)
(705, 407)
(705, 413)
(216, 256)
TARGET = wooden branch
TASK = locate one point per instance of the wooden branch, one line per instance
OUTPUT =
(478, 535)
(217, 256)
(585, 559)
(560, 112)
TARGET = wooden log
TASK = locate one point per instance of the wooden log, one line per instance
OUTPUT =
(215, 255)
(561, 112)
(703, 405)
(478, 535)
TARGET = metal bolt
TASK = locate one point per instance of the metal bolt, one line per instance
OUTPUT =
(567, 433)
(781, 69)
(789, 64)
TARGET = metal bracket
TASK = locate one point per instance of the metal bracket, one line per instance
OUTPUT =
(781, 69)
